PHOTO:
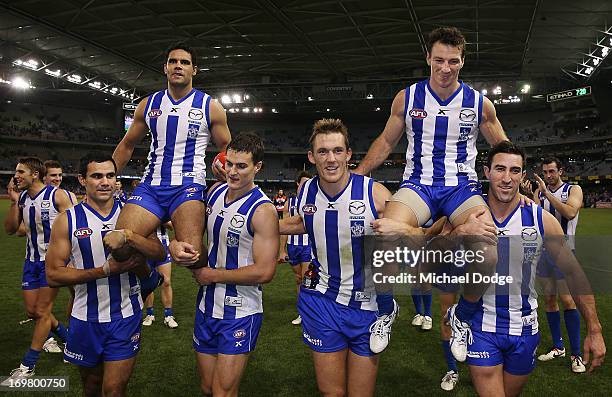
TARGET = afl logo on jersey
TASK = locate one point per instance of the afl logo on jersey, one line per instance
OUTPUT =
(417, 114)
(83, 232)
(309, 209)
(155, 113)
(467, 115)
(239, 334)
(196, 114)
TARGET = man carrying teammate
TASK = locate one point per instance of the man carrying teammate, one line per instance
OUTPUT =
(442, 117)
(338, 303)
(243, 242)
(182, 120)
(564, 202)
(36, 205)
(504, 332)
(104, 333)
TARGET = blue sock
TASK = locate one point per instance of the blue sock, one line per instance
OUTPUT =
(30, 358)
(417, 300)
(61, 332)
(150, 311)
(572, 323)
(554, 323)
(426, 297)
(465, 310)
(50, 334)
(450, 360)
(168, 312)
(385, 303)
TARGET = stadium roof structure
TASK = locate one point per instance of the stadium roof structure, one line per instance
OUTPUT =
(271, 44)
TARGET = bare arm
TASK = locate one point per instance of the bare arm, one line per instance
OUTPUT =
(291, 225)
(136, 132)
(490, 127)
(387, 140)
(13, 219)
(221, 135)
(62, 201)
(265, 248)
(150, 246)
(283, 238)
(570, 209)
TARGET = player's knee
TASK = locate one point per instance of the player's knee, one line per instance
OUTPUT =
(550, 303)
(567, 302)
(206, 387)
(92, 387)
(332, 391)
(42, 312)
(167, 282)
(298, 278)
(114, 387)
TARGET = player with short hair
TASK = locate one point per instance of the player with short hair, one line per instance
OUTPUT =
(296, 247)
(54, 175)
(104, 333)
(182, 120)
(243, 242)
(504, 332)
(564, 202)
(338, 303)
(36, 205)
(442, 117)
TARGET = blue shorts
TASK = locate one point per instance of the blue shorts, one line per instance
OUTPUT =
(90, 344)
(34, 276)
(444, 200)
(162, 201)
(167, 259)
(547, 267)
(516, 353)
(226, 336)
(299, 254)
(329, 327)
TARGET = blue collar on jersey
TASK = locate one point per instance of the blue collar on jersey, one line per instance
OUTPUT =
(180, 100)
(225, 205)
(450, 98)
(351, 175)
(96, 213)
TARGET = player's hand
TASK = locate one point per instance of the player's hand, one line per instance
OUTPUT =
(594, 350)
(12, 191)
(115, 239)
(391, 227)
(525, 201)
(125, 266)
(526, 186)
(478, 226)
(541, 184)
(218, 171)
(203, 275)
(282, 257)
(183, 253)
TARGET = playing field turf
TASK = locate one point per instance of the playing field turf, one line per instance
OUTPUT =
(281, 366)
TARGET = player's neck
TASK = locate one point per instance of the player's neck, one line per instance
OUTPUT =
(333, 188)
(35, 188)
(501, 210)
(443, 92)
(102, 207)
(556, 185)
(179, 92)
(234, 194)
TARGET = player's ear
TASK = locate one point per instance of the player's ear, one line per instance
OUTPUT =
(195, 70)
(258, 166)
(81, 180)
(165, 68)
(486, 171)
(428, 59)
(311, 157)
(349, 154)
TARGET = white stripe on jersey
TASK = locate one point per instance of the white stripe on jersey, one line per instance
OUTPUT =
(441, 135)
(180, 133)
(336, 227)
(38, 214)
(230, 246)
(568, 225)
(511, 309)
(106, 299)
(296, 239)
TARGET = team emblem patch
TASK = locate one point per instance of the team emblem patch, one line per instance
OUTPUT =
(309, 209)
(357, 207)
(467, 115)
(239, 334)
(417, 114)
(82, 232)
(232, 240)
(154, 113)
(192, 131)
(357, 230)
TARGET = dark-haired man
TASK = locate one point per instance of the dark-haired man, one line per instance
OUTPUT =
(182, 120)
(442, 117)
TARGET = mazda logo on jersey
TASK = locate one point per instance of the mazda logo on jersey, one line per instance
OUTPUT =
(155, 113)
(529, 234)
(83, 232)
(417, 114)
(467, 115)
(196, 114)
(45, 204)
(237, 221)
(309, 209)
(357, 207)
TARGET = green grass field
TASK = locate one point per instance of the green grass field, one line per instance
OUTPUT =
(281, 365)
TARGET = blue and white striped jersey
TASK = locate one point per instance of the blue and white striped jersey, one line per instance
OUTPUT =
(230, 246)
(38, 214)
(162, 235)
(105, 299)
(568, 225)
(511, 309)
(336, 227)
(441, 135)
(296, 239)
(180, 132)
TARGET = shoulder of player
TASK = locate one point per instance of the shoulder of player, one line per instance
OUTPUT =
(61, 223)
(575, 189)
(264, 215)
(380, 191)
(488, 109)
(551, 224)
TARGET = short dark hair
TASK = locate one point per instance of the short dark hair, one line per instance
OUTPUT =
(302, 174)
(181, 45)
(94, 157)
(505, 147)
(448, 35)
(329, 126)
(51, 164)
(248, 142)
(553, 159)
(34, 164)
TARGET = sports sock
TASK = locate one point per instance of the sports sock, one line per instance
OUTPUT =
(554, 323)
(150, 311)
(168, 312)
(30, 358)
(448, 355)
(61, 332)
(385, 303)
(465, 310)
(426, 297)
(417, 299)
(572, 323)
